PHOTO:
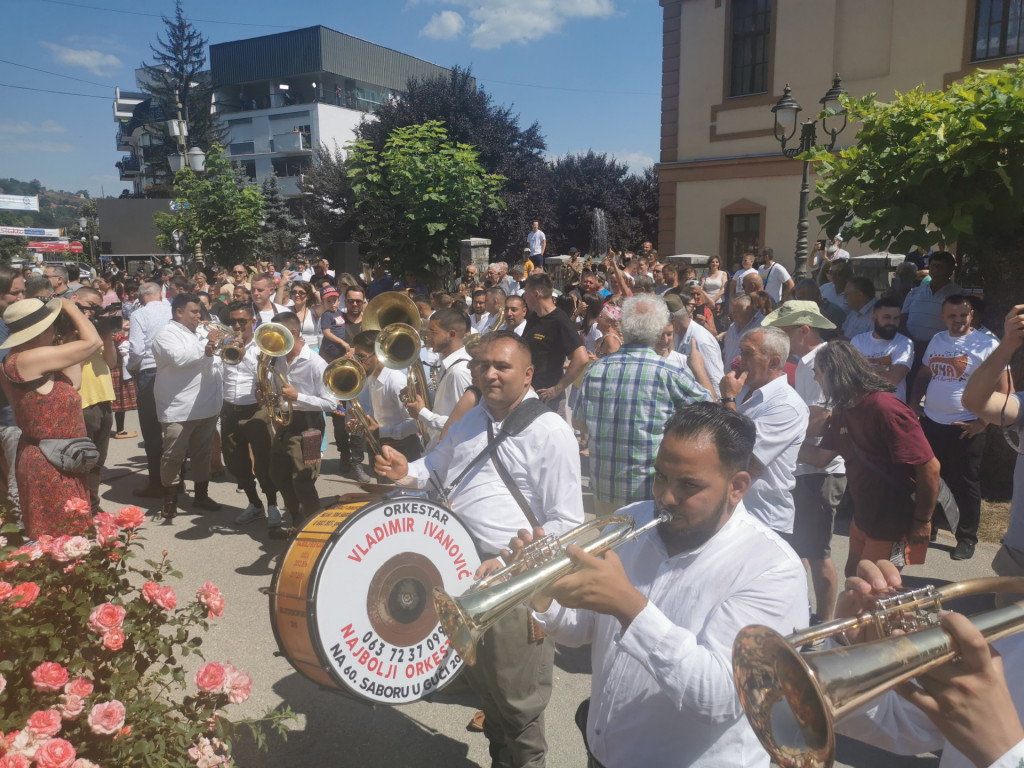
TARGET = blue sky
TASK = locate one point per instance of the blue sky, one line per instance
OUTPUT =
(589, 71)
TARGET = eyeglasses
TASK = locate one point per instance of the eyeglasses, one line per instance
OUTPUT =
(240, 321)
(355, 301)
(362, 358)
(239, 271)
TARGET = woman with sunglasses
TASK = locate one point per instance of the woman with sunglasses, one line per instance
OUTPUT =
(305, 305)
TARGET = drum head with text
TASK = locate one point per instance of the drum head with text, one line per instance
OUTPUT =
(372, 612)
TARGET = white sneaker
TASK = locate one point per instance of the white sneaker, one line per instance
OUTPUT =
(273, 516)
(250, 513)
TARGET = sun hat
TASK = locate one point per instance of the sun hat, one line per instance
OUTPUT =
(795, 313)
(27, 318)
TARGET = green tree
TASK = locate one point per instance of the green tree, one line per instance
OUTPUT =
(582, 183)
(178, 74)
(418, 197)
(938, 165)
(280, 237)
(327, 199)
(219, 210)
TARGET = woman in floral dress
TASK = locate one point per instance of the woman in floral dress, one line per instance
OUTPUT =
(41, 382)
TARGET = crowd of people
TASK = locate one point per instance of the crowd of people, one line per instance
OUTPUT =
(747, 408)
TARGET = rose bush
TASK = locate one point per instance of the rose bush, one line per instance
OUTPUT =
(91, 650)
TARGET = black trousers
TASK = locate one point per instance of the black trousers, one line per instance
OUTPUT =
(244, 428)
(152, 432)
(350, 447)
(961, 467)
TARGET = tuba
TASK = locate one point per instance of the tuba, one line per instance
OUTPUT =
(273, 340)
(465, 619)
(793, 700)
(347, 379)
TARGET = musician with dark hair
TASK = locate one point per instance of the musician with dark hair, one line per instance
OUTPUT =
(446, 331)
(294, 456)
(661, 612)
(532, 477)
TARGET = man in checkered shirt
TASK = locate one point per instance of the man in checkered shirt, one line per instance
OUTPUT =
(625, 400)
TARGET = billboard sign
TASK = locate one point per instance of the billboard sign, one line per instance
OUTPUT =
(28, 232)
(19, 202)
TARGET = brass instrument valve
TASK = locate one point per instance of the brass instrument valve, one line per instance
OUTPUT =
(908, 610)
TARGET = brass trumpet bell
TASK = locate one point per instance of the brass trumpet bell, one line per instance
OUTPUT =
(390, 308)
(345, 378)
(273, 339)
(232, 354)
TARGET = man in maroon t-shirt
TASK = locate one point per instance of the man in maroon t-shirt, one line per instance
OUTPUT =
(891, 472)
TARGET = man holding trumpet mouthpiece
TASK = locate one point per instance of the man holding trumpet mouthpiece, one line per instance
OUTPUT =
(967, 708)
(661, 612)
(523, 469)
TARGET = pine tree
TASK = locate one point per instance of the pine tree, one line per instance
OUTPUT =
(178, 75)
(281, 230)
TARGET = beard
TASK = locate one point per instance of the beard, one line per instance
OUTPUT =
(676, 540)
(887, 332)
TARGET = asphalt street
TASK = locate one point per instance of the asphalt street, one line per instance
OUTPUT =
(334, 730)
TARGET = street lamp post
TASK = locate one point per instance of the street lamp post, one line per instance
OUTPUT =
(194, 159)
(786, 112)
(84, 225)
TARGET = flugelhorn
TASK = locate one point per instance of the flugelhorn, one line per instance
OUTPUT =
(465, 619)
(229, 345)
(347, 379)
(273, 340)
(793, 700)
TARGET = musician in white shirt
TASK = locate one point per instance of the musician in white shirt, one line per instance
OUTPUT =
(245, 425)
(293, 473)
(479, 318)
(512, 674)
(661, 612)
(494, 300)
(188, 400)
(447, 329)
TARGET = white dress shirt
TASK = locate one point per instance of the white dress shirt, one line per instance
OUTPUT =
(240, 380)
(828, 292)
(709, 349)
(481, 325)
(518, 330)
(780, 417)
(388, 409)
(731, 344)
(188, 382)
(147, 321)
(662, 692)
(859, 321)
(896, 725)
(306, 374)
(543, 461)
(453, 380)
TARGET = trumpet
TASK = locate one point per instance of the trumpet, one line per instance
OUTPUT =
(229, 346)
(465, 619)
(347, 379)
(793, 700)
(273, 340)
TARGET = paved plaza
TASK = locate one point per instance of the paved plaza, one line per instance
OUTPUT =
(336, 731)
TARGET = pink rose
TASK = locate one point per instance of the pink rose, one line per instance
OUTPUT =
(44, 723)
(23, 595)
(106, 535)
(76, 547)
(49, 677)
(131, 517)
(71, 706)
(106, 718)
(55, 753)
(5, 590)
(79, 506)
(211, 599)
(106, 617)
(149, 591)
(238, 685)
(166, 598)
(3, 687)
(83, 763)
(114, 639)
(211, 677)
(56, 548)
(80, 686)
(12, 760)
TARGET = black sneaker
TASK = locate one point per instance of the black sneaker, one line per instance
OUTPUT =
(964, 550)
(205, 502)
(169, 510)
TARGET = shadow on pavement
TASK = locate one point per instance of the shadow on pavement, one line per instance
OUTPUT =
(853, 752)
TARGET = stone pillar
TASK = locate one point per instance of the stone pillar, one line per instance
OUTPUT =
(475, 251)
(553, 266)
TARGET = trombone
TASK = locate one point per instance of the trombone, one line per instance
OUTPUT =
(273, 340)
(793, 700)
(347, 379)
(465, 619)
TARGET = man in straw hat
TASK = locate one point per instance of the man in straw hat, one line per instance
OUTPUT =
(818, 489)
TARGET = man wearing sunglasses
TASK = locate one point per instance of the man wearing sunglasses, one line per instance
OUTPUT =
(984, 397)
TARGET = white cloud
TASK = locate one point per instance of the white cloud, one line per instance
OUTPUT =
(497, 22)
(637, 161)
(446, 25)
(97, 62)
(11, 128)
(24, 136)
(14, 147)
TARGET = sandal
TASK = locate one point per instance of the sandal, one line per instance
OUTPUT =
(125, 435)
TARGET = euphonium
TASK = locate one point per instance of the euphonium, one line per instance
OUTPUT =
(273, 340)
(398, 346)
(465, 619)
(390, 308)
(347, 379)
(793, 700)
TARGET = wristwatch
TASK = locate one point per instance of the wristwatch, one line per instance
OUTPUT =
(728, 400)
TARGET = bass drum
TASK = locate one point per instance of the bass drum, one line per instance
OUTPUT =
(350, 601)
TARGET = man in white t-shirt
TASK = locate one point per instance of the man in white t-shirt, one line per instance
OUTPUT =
(818, 489)
(956, 436)
(264, 309)
(888, 351)
(538, 244)
(689, 335)
(836, 252)
(761, 392)
(778, 283)
(746, 268)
